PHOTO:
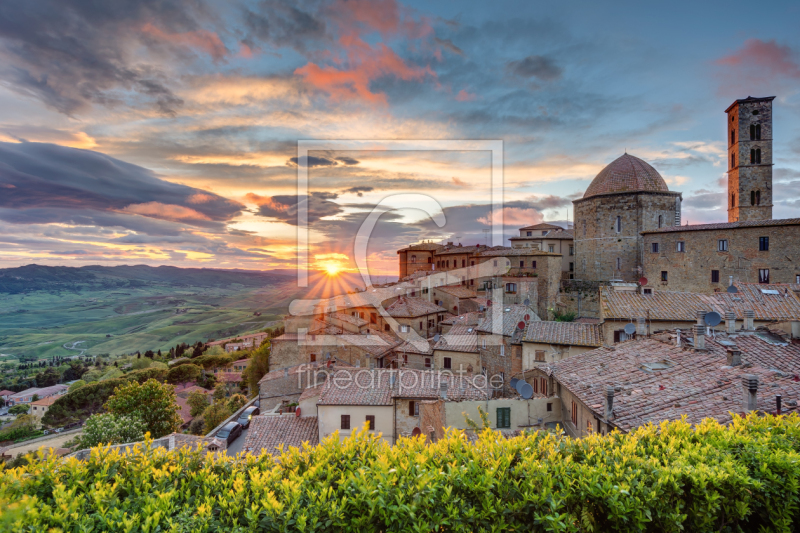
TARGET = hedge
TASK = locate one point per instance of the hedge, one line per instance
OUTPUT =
(670, 477)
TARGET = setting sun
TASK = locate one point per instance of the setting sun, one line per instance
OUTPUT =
(333, 269)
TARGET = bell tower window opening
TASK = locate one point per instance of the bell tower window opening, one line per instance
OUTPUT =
(660, 220)
(618, 225)
(733, 200)
(752, 197)
(758, 132)
(733, 136)
(758, 197)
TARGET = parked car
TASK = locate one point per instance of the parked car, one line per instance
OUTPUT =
(247, 415)
(230, 432)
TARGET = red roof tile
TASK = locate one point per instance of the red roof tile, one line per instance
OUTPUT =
(727, 225)
(268, 433)
(565, 333)
(626, 174)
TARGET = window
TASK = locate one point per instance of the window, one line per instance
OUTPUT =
(648, 291)
(413, 258)
(345, 422)
(373, 317)
(733, 160)
(511, 287)
(535, 385)
(763, 244)
(503, 417)
(755, 156)
(797, 278)
(545, 232)
(544, 386)
(618, 225)
(420, 325)
(715, 276)
(619, 263)
(551, 248)
(313, 357)
(430, 260)
(370, 422)
(533, 264)
(386, 327)
(758, 197)
(463, 263)
(574, 413)
(758, 132)
(403, 328)
(680, 246)
(722, 245)
(733, 136)
(763, 275)
(448, 363)
(549, 407)
(654, 247)
(572, 267)
(495, 262)
(733, 200)
(663, 275)
(502, 350)
(660, 220)
(755, 131)
(427, 362)
(752, 132)
(522, 264)
(413, 408)
(539, 356)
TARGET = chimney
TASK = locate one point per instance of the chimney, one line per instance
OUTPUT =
(641, 327)
(734, 356)
(730, 321)
(699, 337)
(748, 320)
(701, 317)
(750, 386)
(609, 402)
(443, 389)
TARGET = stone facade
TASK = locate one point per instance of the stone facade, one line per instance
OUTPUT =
(705, 263)
(750, 159)
(416, 257)
(607, 236)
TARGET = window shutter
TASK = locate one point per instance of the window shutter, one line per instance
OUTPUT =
(411, 408)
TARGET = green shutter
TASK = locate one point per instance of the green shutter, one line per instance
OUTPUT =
(503, 417)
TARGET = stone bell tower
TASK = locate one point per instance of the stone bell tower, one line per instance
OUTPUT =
(750, 159)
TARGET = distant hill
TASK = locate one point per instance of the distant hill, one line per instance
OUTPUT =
(30, 278)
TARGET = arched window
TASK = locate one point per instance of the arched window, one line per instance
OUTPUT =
(752, 197)
(619, 263)
(733, 136)
(413, 258)
(584, 228)
(758, 156)
(752, 132)
(660, 220)
(758, 132)
(752, 156)
(733, 160)
(733, 200)
(619, 224)
(758, 197)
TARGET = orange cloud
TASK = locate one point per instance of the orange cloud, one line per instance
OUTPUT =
(200, 198)
(765, 56)
(165, 211)
(464, 96)
(460, 182)
(207, 41)
(515, 216)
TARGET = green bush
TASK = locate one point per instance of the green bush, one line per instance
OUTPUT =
(672, 477)
(106, 428)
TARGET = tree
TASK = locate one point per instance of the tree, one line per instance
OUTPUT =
(140, 364)
(153, 402)
(220, 392)
(107, 428)
(236, 402)
(215, 414)
(257, 367)
(77, 385)
(19, 409)
(215, 350)
(49, 377)
(35, 398)
(149, 354)
(183, 374)
(197, 403)
(197, 426)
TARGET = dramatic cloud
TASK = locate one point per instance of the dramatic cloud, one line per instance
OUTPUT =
(763, 57)
(540, 67)
(284, 208)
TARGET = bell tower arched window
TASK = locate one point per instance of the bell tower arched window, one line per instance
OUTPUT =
(758, 197)
(752, 197)
(733, 200)
(660, 220)
(733, 136)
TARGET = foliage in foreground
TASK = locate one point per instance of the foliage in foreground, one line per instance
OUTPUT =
(672, 477)
(106, 428)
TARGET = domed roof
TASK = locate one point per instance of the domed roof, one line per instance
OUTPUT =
(626, 174)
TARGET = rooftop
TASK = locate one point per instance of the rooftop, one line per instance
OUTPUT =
(412, 307)
(267, 434)
(50, 400)
(564, 333)
(502, 251)
(459, 291)
(460, 338)
(779, 303)
(554, 234)
(541, 226)
(626, 174)
(512, 315)
(750, 100)
(655, 380)
(726, 225)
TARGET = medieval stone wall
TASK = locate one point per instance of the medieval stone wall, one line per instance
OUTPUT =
(745, 179)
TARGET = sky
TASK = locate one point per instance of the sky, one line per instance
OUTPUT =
(166, 132)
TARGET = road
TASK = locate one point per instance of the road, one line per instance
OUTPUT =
(55, 442)
(238, 444)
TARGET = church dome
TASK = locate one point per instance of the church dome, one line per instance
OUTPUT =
(626, 174)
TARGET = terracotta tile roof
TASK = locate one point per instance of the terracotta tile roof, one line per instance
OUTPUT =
(376, 343)
(6, 392)
(412, 307)
(50, 400)
(229, 377)
(186, 410)
(425, 246)
(472, 318)
(268, 433)
(459, 291)
(514, 252)
(185, 391)
(727, 225)
(566, 333)
(682, 306)
(587, 320)
(655, 380)
(310, 392)
(460, 338)
(422, 347)
(512, 316)
(458, 249)
(541, 226)
(626, 174)
(559, 234)
(350, 319)
(373, 387)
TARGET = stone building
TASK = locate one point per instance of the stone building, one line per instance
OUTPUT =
(417, 257)
(627, 197)
(704, 257)
(750, 159)
(547, 342)
(549, 238)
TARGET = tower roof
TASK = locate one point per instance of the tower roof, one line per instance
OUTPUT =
(750, 99)
(626, 174)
